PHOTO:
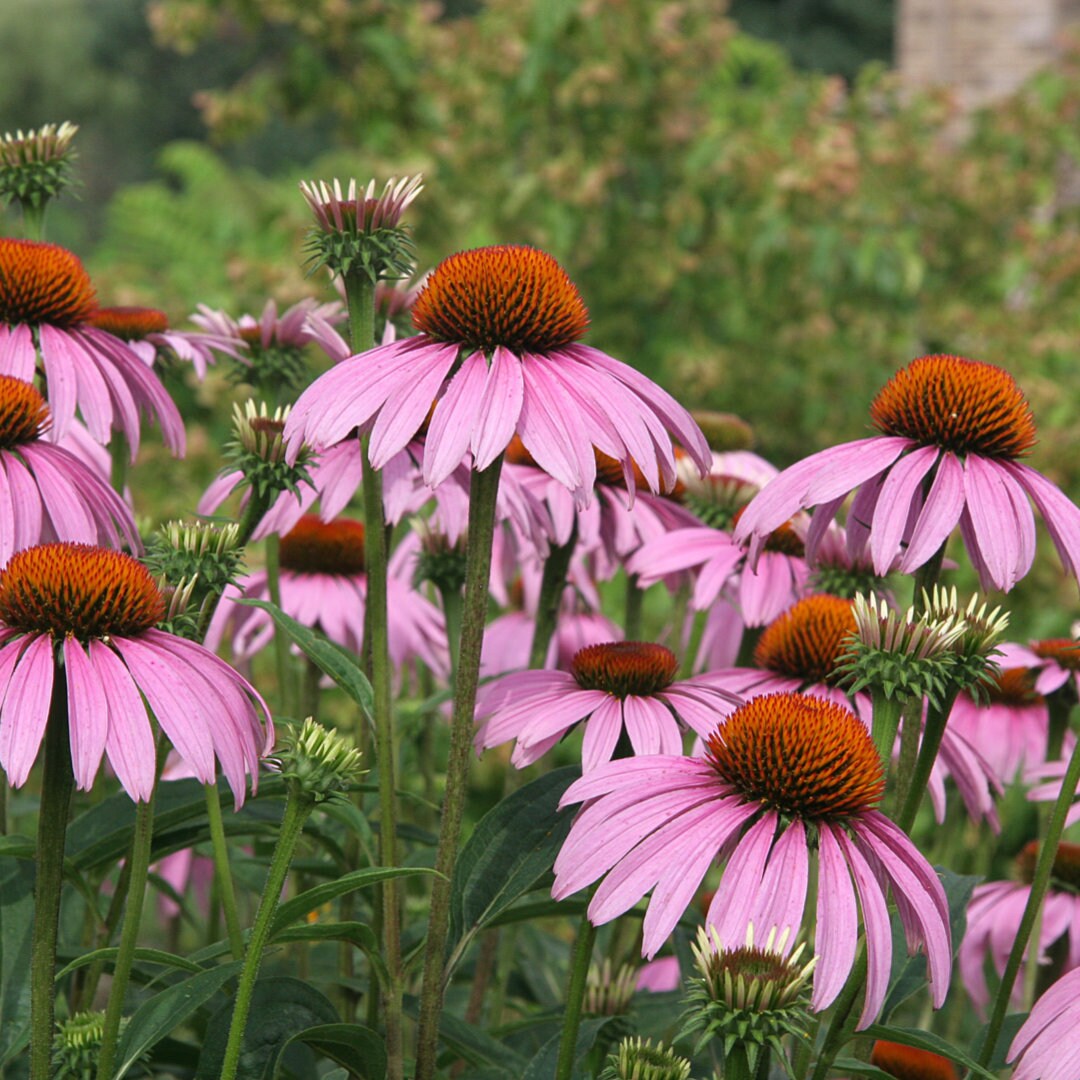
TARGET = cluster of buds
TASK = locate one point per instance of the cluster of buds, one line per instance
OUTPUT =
(193, 563)
(932, 653)
(258, 451)
(36, 166)
(359, 233)
(748, 998)
(318, 762)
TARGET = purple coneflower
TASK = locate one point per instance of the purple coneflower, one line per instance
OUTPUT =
(498, 353)
(783, 775)
(324, 585)
(1048, 1042)
(94, 611)
(952, 433)
(47, 304)
(1056, 662)
(46, 492)
(146, 331)
(1010, 723)
(995, 912)
(611, 687)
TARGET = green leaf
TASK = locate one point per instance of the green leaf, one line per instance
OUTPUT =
(843, 1066)
(358, 1048)
(358, 934)
(145, 956)
(512, 847)
(480, 1049)
(281, 1008)
(909, 972)
(1009, 1028)
(926, 1040)
(314, 898)
(329, 658)
(16, 924)
(542, 1066)
(164, 1012)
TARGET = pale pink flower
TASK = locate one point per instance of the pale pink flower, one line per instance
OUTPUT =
(995, 912)
(779, 770)
(89, 614)
(953, 431)
(324, 586)
(46, 491)
(498, 355)
(46, 306)
(1047, 1046)
(611, 687)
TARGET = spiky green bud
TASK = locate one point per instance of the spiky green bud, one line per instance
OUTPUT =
(35, 167)
(638, 1059)
(318, 762)
(258, 451)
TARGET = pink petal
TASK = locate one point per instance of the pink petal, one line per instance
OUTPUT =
(451, 429)
(939, 515)
(500, 407)
(26, 709)
(898, 494)
(602, 731)
(130, 741)
(88, 714)
(837, 922)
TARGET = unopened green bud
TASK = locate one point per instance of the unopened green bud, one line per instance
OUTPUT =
(35, 167)
(319, 762)
(637, 1059)
(258, 451)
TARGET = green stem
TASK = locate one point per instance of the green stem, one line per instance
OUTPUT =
(120, 453)
(632, 620)
(910, 732)
(932, 733)
(1040, 882)
(297, 808)
(56, 787)
(552, 584)
(226, 892)
(886, 721)
(451, 605)
(697, 632)
(140, 864)
(33, 220)
(844, 1019)
(485, 486)
(282, 659)
(575, 997)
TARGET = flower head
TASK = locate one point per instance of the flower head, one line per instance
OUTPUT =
(50, 493)
(357, 231)
(96, 611)
(953, 432)
(783, 774)
(35, 167)
(324, 585)
(498, 354)
(317, 760)
(752, 995)
(611, 687)
(47, 304)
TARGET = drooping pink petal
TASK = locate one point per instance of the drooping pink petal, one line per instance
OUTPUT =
(1061, 515)
(782, 896)
(992, 513)
(898, 492)
(500, 408)
(130, 741)
(602, 731)
(939, 515)
(740, 886)
(88, 714)
(26, 709)
(837, 928)
(875, 917)
(450, 432)
(18, 355)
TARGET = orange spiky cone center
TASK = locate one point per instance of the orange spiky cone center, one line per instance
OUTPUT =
(801, 756)
(507, 295)
(130, 323)
(75, 589)
(1065, 873)
(961, 405)
(319, 547)
(43, 284)
(625, 668)
(1064, 651)
(1013, 686)
(23, 413)
(808, 639)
